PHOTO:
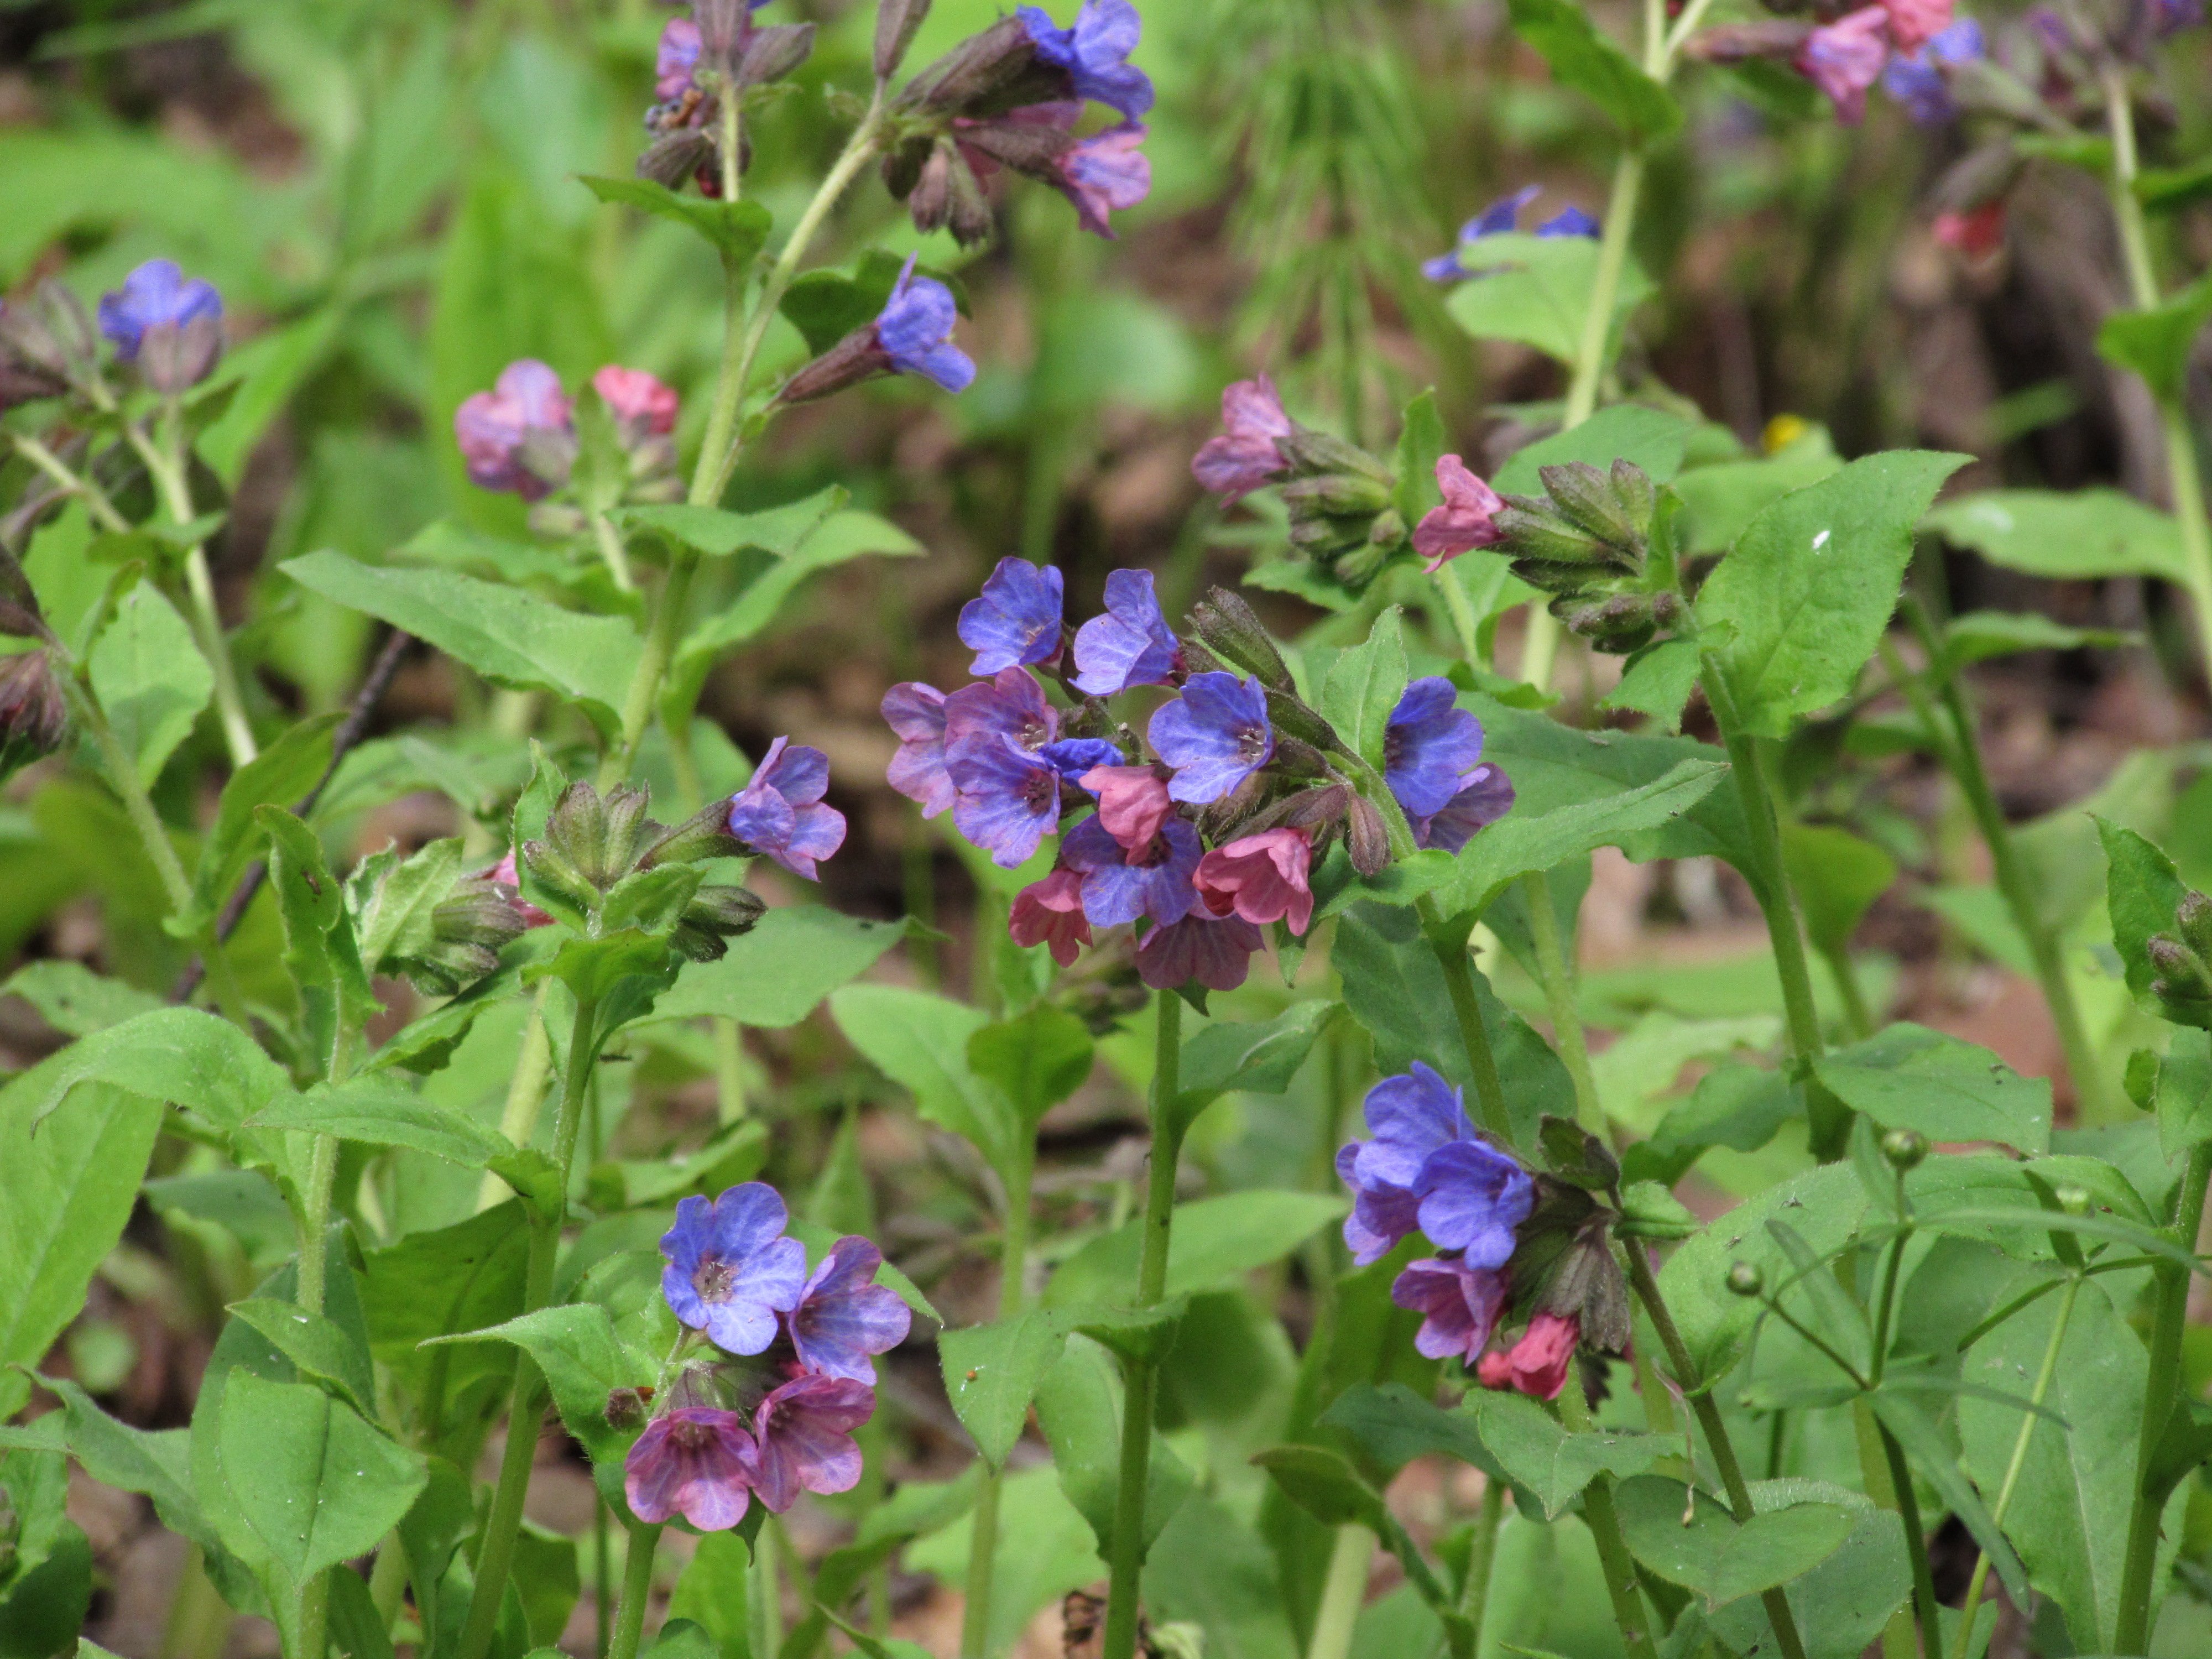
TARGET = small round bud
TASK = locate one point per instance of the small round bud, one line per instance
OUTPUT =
(1904, 1149)
(2075, 1200)
(1744, 1279)
(625, 1409)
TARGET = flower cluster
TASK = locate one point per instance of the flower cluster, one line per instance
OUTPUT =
(1207, 828)
(770, 1412)
(521, 438)
(164, 325)
(707, 61)
(1497, 219)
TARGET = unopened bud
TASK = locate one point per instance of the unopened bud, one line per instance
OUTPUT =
(1291, 719)
(1296, 759)
(898, 22)
(2181, 971)
(1337, 496)
(1361, 565)
(2075, 1200)
(1232, 631)
(1744, 1279)
(704, 834)
(769, 54)
(625, 1409)
(1311, 454)
(34, 712)
(1904, 1149)
(1388, 530)
(2193, 916)
(1365, 838)
(1529, 529)
(715, 916)
(1586, 498)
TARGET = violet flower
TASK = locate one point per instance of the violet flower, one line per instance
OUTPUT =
(1094, 52)
(844, 1316)
(1424, 1164)
(781, 813)
(1494, 219)
(1844, 57)
(1008, 800)
(1429, 744)
(1459, 1305)
(914, 331)
(803, 1438)
(518, 437)
(675, 59)
(731, 1271)
(692, 1462)
(1131, 644)
(1215, 735)
(170, 327)
(1484, 796)
(1050, 912)
(1261, 878)
(1244, 456)
(1919, 80)
(1120, 885)
(1569, 222)
(1202, 949)
(1076, 759)
(1010, 704)
(915, 713)
(1015, 621)
(1105, 174)
(1466, 519)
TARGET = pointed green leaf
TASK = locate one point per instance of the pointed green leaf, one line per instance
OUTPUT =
(318, 1485)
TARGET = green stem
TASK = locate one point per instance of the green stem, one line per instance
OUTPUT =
(1553, 967)
(2044, 1375)
(1856, 1015)
(1139, 1375)
(527, 1408)
(78, 484)
(167, 465)
(651, 668)
(1614, 1559)
(1924, 1605)
(137, 804)
(612, 550)
(636, 1590)
(983, 1531)
(526, 1095)
(1481, 1557)
(729, 1070)
(2162, 1396)
(1343, 1591)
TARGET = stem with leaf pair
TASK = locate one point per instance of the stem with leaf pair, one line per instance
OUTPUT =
(983, 1529)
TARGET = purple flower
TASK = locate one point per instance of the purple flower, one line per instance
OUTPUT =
(1494, 219)
(1917, 80)
(1212, 951)
(1215, 735)
(843, 1315)
(1010, 704)
(916, 713)
(1472, 1197)
(731, 1271)
(678, 56)
(692, 1462)
(781, 812)
(1074, 758)
(1095, 52)
(1131, 644)
(1843, 58)
(1485, 795)
(176, 323)
(1009, 798)
(1425, 1168)
(914, 330)
(1459, 1305)
(1119, 885)
(1244, 456)
(1015, 621)
(1569, 222)
(518, 437)
(1429, 744)
(803, 1438)
(1105, 174)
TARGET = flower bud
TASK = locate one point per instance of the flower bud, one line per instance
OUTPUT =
(1295, 759)
(625, 1409)
(2182, 977)
(704, 834)
(2193, 916)
(1361, 565)
(1310, 454)
(1532, 529)
(1388, 530)
(592, 843)
(715, 916)
(34, 712)
(1365, 837)
(1291, 719)
(1235, 633)
(1337, 494)
(1904, 1149)
(1587, 500)
(769, 54)
(1744, 1279)
(898, 22)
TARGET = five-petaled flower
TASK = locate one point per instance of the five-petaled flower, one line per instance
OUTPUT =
(914, 331)
(643, 406)
(915, 713)
(1095, 51)
(1245, 456)
(1016, 620)
(1131, 644)
(1200, 948)
(1844, 57)
(1104, 174)
(1466, 520)
(1261, 878)
(1121, 884)
(1459, 1305)
(843, 1316)
(731, 1270)
(1050, 912)
(518, 437)
(803, 1438)
(1215, 735)
(695, 1462)
(171, 326)
(1426, 1168)
(780, 813)
(1496, 220)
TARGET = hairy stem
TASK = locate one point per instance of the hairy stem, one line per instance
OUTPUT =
(983, 1530)
(526, 1095)
(1557, 976)
(78, 484)
(636, 1590)
(166, 462)
(1481, 1557)
(644, 691)
(1614, 1559)
(612, 550)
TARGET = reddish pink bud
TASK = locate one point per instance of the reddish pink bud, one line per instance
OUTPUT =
(1537, 1365)
(1261, 878)
(641, 403)
(1466, 519)
(504, 874)
(1913, 23)
(1976, 234)
(1050, 912)
(1133, 803)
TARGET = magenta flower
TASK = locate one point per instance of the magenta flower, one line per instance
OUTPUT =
(1202, 949)
(1844, 57)
(642, 407)
(916, 713)
(1120, 885)
(1536, 1364)
(1244, 456)
(518, 437)
(1429, 746)
(1914, 23)
(1459, 1305)
(1050, 913)
(1008, 800)
(1468, 517)
(844, 1316)
(803, 1438)
(914, 331)
(692, 1462)
(731, 1271)
(505, 874)
(1015, 621)
(781, 814)
(678, 56)
(1261, 878)
(170, 327)
(1106, 173)
(1131, 645)
(1094, 52)
(1132, 802)
(1215, 735)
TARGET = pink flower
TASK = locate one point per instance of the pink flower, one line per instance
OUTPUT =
(504, 874)
(1467, 520)
(1844, 57)
(1133, 803)
(1537, 1365)
(803, 1438)
(1914, 23)
(518, 437)
(916, 713)
(1216, 953)
(1976, 234)
(1105, 174)
(1261, 878)
(640, 405)
(695, 1463)
(1244, 456)
(1050, 912)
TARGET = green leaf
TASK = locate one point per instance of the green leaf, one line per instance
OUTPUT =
(150, 678)
(1931, 1456)
(992, 1373)
(511, 637)
(2169, 190)
(74, 1000)
(1843, 1604)
(1836, 877)
(280, 774)
(920, 1041)
(1720, 500)
(1658, 682)
(1810, 586)
(2079, 534)
(1701, 1547)
(1215, 1239)
(825, 305)
(1259, 1058)
(2184, 1095)
(1585, 60)
(736, 230)
(779, 972)
(319, 1346)
(1080, 1409)
(1980, 635)
(318, 1485)
(1364, 685)
(1911, 1077)
(622, 973)
(1546, 1460)
(393, 900)
(718, 532)
(1537, 290)
(185, 1055)
(1036, 1060)
(1654, 439)
(319, 950)
(154, 1462)
(583, 1361)
(377, 1109)
(2155, 343)
(765, 582)
(1392, 1426)
(1325, 1485)
(1421, 444)
(2142, 892)
(466, 1277)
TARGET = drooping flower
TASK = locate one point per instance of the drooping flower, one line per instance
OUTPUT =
(1466, 519)
(1844, 57)
(1914, 23)
(844, 1316)
(1976, 234)
(1132, 802)
(1261, 878)
(170, 327)
(676, 58)
(915, 713)
(1050, 912)
(1131, 644)
(1919, 80)
(780, 813)
(693, 1461)
(643, 406)
(1569, 222)
(505, 874)
(1215, 735)
(1107, 173)
(1244, 456)
(1484, 796)
(1472, 1197)
(1215, 952)
(1095, 51)
(1494, 219)
(1008, 800)
(1459, 1305)
(1413, 1118)
(731, 1270)
(1015, 621)
(1538, 1363)
(1010, 704)
(914, 330)
(518, 437)
(803, 1438)
(1429, 746)
(1120, 884)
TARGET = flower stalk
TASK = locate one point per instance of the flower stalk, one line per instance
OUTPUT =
(983, 1529)
(636, 1590)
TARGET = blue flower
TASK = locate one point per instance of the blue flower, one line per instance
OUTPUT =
(1916, 79)
(1010, 704)
(1131, 644)
(1215, 735)
(1492, 220)
(914, 330)
(780, 812)
(1074, 756)
(1119, 886)
(1428, 744)
(1015, 622)
(915, 712)
(1569, 222)
(175, 324)
(1485, 795)
(1095, 52)
(1426, 1168)
(1009, 798)
(844, 1316)
(731, 1271)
